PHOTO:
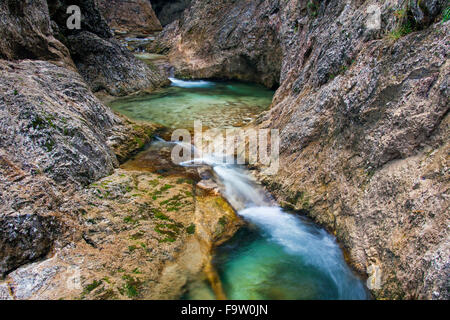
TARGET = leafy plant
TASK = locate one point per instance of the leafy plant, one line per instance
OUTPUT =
(446, 15)
(191, 229)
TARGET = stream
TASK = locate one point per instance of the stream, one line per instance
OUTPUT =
(277, 254)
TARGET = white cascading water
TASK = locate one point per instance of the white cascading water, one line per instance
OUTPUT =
(315, 246)
(191, 84)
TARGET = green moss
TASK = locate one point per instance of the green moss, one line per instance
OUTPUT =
(166, 187)
(130, 220)
(446, 15)
(136, 271)
(131, 286)
(132, 248)
(49, 145)
(313, 9)
(160, 215)
(168, 239)
(140, 143)
(92, 286)
(191, 229)
(223, 221)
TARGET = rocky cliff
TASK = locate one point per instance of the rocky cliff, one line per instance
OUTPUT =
(130, 16)
(100, 59)
(362, 110)
(169, 10)
(56, 136)
(72, 224)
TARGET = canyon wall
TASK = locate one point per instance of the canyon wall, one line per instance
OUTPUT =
(362, 110)
(56, 137)
(131, 16)
(169, 10)
(101, 60)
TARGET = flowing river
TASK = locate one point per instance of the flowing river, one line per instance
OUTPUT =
(278, 254)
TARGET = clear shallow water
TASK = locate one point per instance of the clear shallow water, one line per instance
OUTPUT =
(216, 104)
(279, 255)
(300, 263)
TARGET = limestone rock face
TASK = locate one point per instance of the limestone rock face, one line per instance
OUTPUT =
(363, 120)
(26, 33)
(131, 16)
(55, 137)
(169, 10)
(106, 65)
(100, 59)
(225, 39)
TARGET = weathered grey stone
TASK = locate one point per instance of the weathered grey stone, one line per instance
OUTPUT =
(106, 65)
(26, 33)
(131, 16)
(363, 120)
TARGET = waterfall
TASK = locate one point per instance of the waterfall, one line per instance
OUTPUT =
(313, 246)
(190, 83)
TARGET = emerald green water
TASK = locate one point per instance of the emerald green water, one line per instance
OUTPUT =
(277, 255)
(252, 267)
(216, 104)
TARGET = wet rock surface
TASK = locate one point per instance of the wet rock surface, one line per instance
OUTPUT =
(363, 119)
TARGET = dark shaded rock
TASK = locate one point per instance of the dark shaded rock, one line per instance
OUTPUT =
(106, 65)
(26, 33)
(91, 18)
(426, 11)
(25, 238)
(169, 10)
(100, 59)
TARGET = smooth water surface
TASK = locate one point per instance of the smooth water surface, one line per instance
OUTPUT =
(216, 104)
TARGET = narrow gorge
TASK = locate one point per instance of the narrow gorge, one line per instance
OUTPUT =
(94, 207)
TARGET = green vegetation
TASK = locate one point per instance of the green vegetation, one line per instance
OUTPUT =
(159, 215)
(446, 15)
(313, 9)
(130, 287)
(223, 221)
(191, 229)
(130, 220)
(92, 286)
(405, 24)
(49, 145)
(401, 31)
